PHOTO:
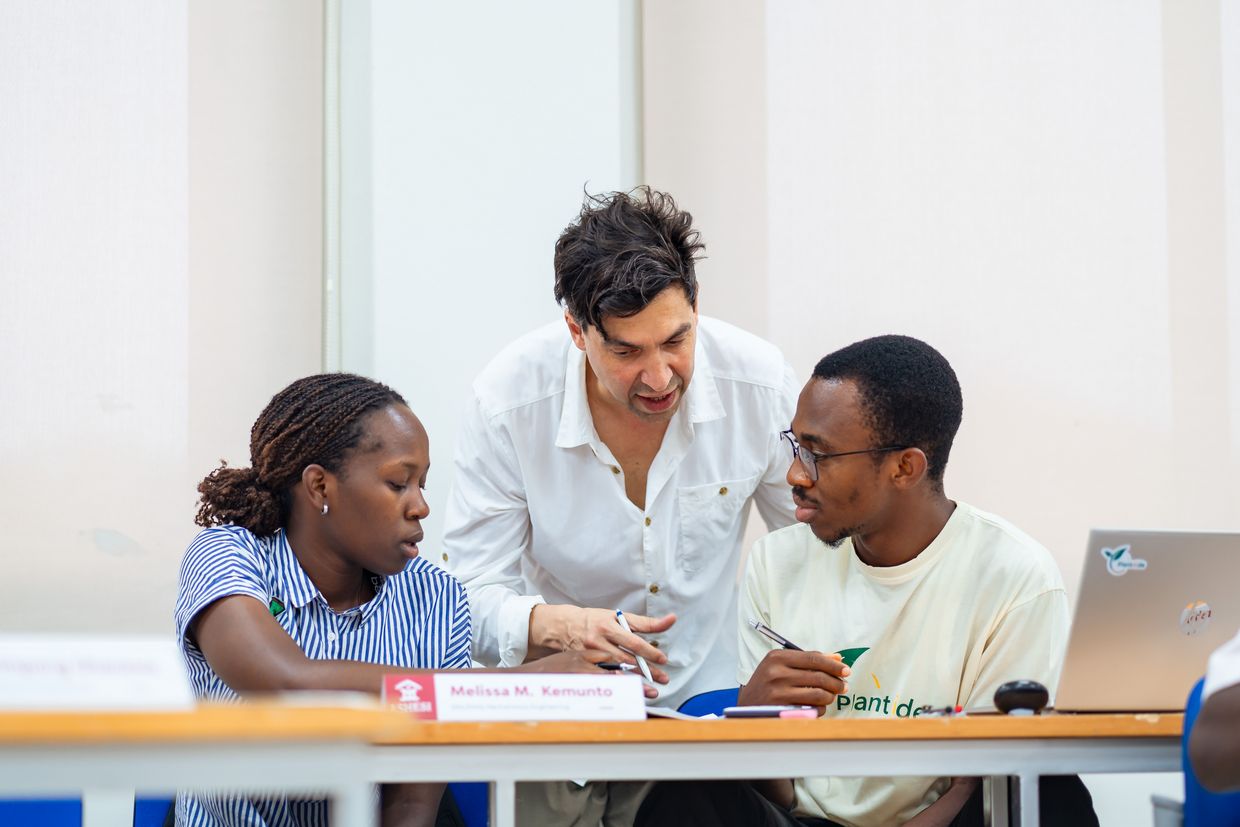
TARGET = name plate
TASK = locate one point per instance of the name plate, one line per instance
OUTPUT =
(516, 696)
(69, 672)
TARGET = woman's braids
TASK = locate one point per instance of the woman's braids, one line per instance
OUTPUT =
(316, 420)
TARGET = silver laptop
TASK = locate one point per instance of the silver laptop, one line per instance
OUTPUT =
(1151, 607)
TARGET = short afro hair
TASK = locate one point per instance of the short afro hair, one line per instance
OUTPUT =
(909, 394)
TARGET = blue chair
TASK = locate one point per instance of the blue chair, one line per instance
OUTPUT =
(67, 812)
(473, 802)
(1203, 808)
(714, 701)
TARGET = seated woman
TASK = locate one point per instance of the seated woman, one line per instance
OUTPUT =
(307, 574)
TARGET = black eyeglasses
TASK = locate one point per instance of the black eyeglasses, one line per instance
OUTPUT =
(810, 459)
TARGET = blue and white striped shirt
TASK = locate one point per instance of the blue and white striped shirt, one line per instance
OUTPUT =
(418, 619)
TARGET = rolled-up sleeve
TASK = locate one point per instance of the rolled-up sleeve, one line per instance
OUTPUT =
(486, 532)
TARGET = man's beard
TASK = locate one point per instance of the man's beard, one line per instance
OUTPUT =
(839, 538)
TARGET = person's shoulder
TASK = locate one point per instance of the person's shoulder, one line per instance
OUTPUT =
(736, 355)
(1010, 552)
(528, 369)
(425, 577)
(223, 541)
(784, 548)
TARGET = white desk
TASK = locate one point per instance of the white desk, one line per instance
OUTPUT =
(506, 753)
(343, 752)
(252, 748)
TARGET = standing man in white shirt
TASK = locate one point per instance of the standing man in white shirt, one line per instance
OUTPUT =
(608, 462)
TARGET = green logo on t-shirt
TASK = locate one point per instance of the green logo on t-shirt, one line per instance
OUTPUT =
(849, 656)
(881, 704)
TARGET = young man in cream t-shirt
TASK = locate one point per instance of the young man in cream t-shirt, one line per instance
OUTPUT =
(918, 599)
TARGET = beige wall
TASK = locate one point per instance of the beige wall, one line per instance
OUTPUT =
(704, 141)
(255, 214)
(1040, 196)
(160, 254)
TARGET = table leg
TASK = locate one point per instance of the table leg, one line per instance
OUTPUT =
(995, 801)
(1029, 816)
(503, 803)
(355, 806)
(107, 808)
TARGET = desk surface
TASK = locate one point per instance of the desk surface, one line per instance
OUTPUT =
(257, 722)
(207, 723)
(658, 730)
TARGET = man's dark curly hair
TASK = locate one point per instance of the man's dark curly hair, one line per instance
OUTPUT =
(623, 250)
(909, 394)
(318, 419)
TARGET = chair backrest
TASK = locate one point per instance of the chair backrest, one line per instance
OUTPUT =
(1203, 808)
(714, 701)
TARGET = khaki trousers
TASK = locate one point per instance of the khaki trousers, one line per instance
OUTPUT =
(565, 804)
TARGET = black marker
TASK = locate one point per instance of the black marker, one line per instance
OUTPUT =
(763, 629)
(617, 667)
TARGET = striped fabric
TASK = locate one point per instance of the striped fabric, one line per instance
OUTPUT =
(417, 619)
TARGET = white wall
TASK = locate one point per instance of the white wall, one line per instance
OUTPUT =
(469, 133)
(159, 268)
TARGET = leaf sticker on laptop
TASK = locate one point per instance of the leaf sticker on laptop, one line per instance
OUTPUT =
(1120, 560)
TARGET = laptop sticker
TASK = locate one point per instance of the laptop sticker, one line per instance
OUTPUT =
(1120, 561)
(1195, 617)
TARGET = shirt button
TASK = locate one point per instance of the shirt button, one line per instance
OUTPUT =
(723, 491)
(331, 634)
(654, 588)
(445, 556)
(647, 521)
(615, 470)
(654, 643)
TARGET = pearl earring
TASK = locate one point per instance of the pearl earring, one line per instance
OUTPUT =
(324, 511)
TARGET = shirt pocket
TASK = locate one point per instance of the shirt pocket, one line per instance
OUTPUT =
(710, 518)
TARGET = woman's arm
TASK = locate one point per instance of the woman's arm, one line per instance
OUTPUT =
(1214, 746)
(949, 805)
(251, 653)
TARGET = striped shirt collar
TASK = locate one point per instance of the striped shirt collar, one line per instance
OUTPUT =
(295, 588)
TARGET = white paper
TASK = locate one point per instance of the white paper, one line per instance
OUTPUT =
(514, 696)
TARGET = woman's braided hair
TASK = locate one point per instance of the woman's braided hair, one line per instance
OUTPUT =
(316, 420)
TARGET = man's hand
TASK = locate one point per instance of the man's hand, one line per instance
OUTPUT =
(787, 676)
(571, 628)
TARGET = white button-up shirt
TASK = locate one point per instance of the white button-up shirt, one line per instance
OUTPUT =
(538, 511)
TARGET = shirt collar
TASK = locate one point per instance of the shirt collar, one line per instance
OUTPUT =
(298, 590)
(576, 425)
(701, 402)
(291, 578)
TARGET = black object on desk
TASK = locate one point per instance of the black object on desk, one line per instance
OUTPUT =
(1021, 698)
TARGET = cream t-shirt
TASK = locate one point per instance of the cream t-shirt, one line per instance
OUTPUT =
(983, 604)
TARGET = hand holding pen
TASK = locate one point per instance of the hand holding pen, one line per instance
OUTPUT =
(791, 675)
(555, 628)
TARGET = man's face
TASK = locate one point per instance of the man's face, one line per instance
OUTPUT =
(850, 495)
(643, 362)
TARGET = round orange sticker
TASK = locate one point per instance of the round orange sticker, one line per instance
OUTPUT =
(1195, 617)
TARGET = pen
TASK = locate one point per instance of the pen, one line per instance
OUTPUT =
(616, 667)
(763, 629)
(641, 662)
